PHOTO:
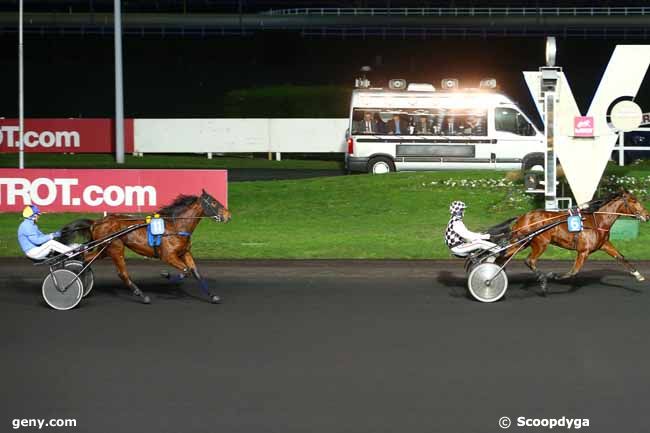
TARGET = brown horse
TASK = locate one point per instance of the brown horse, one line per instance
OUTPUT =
(181, 218)
(598, 218)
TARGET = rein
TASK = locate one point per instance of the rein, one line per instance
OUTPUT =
(539, 222)
(616, 213)
(161, 217)
(563, 215)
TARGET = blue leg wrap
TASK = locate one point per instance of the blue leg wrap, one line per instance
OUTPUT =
(177, 278)
(204, 286)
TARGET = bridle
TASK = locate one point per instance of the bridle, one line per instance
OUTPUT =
(210, 210)
(628, 211)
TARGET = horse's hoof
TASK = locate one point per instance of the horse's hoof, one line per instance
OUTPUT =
(146, 300)
(551, 276)
(638, 276)
(215, 299)
(165, 274)
(544, 288)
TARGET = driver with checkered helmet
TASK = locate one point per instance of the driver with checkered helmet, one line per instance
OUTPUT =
(35, 244)
(458, 237)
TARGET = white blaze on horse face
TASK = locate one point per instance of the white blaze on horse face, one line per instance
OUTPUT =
(584, 159)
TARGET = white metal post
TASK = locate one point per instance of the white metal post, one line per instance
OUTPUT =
(119, 88)
(549, 165)
(621, 148)
(21, 107)
(549, 82)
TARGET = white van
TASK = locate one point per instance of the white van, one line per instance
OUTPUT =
(421, 128)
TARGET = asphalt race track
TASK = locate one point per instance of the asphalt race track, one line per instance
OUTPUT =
(327, 346)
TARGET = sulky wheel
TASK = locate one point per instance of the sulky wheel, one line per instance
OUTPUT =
(62, 290)
(87, 279)
(487, 282)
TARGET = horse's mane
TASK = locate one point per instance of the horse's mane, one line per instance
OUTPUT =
(595, 204)
(179, 204)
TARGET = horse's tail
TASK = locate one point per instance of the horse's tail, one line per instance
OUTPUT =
(77, 230)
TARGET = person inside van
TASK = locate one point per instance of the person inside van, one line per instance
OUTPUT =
(397, 125)
(381, 125)
(473, 126)
(368, 125)
(452, 128)
(422, 127)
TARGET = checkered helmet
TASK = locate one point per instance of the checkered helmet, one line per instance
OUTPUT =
(457, 207)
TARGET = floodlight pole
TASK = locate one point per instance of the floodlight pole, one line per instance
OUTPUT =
(21, 106)
(119, 87)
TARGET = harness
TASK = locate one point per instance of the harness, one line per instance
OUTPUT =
(156, 231)
(627, 213)
(574, 220)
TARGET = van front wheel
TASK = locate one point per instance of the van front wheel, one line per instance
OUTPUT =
(533, 162)
(380, 165)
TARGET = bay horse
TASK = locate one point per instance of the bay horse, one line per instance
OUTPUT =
(598, 218)
(181, 218)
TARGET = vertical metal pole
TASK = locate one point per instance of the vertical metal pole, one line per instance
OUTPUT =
(119, 89)
(550, 167)
(621, 148)
(21, 105)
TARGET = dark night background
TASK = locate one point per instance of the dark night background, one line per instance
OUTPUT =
(173, 76)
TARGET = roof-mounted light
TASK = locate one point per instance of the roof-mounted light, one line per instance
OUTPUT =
(488, 83)
(397, 84)
(449, 83)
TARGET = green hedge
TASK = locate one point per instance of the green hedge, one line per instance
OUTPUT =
(289, 101)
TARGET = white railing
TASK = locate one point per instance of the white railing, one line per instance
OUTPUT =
(502, 11)
(621, 147)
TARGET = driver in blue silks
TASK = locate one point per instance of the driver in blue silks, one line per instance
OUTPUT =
(34, 243)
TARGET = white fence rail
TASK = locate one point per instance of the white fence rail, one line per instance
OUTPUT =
(239, 135)
(490, 11)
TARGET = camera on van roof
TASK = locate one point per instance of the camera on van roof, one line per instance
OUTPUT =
(361, 83)
(449, 83)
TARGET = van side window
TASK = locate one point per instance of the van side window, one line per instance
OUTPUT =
(511, 120)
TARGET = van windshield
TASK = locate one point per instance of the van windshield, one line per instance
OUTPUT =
(420, 121)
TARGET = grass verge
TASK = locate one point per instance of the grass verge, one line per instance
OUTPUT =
(396, 216)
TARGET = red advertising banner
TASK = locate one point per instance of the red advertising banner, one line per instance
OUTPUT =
(62, 190)
(65, 135)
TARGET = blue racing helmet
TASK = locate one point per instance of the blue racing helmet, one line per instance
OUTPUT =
(30, 211)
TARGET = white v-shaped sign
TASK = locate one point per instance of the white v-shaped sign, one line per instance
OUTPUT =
(584, 159)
